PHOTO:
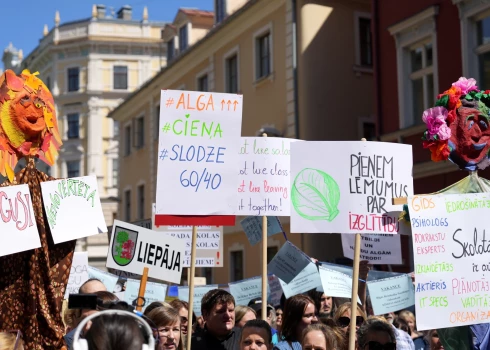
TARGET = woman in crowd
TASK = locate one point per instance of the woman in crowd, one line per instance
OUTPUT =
(182, 308)
(243, 314)
(299, 313)
(320, 337)
(375, 333)
(342, 317)
(11, 341)
(154, 305)
(279, 313)
(166, 321)
(256, 335)
(417, 337)
(434, 341)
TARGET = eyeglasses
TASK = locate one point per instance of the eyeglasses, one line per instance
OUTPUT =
(345, 321)
(374, 345)
(19, 336)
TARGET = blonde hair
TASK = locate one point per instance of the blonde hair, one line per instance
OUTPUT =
(347, 307)
(241, 310)
(7, 341)
(406, 314)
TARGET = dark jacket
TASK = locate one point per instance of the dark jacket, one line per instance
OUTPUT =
(204, 340)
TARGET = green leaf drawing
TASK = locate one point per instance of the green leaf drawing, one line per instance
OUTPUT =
(315, 195)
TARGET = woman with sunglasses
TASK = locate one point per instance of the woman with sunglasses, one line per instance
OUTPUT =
(166, 321)
(279, 313)
(376, 334)
(11, 340)
(342, 317)
(299, 313)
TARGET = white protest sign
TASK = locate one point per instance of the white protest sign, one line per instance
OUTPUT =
(288, 262)
(336, 284)
(275, 290)
(351, 189)
(391, 294)
(199, 292)
(153, 292)
(264, 176)
(198, 153)
(377, 249)
(78, 273)
(132, 248)
(307, 279)
(246, 290)
(73, 208)
(18, 220)
(108, 279)
(451, 257)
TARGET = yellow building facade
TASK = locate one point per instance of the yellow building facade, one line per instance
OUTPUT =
(294, 62)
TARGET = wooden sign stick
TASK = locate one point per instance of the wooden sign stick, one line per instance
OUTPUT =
(192, 272)
(264, 268)
(141, 293)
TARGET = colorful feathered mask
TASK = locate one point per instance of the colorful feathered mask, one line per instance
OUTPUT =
(28, 126)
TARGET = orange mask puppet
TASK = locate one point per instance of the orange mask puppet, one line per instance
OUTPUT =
(28, 126)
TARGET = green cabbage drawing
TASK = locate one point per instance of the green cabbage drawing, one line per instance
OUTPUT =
(315, 195)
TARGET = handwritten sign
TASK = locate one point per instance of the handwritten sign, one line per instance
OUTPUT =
(377, 249)
(307, 279)
(133, 248)
(246, 290)
(78, 273)
(199, 292)
(108, 279)
(18, 224)
(336, 284)
(73, 208)
(451, 256)
(391, 294)
(153, 292)
(351, 189)
(252, 226)
(264, 176)
(198, 153)
(288, 262)
(275, 290)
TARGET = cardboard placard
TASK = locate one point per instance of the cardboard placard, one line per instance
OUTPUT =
(199, 292)
(252, 226)
(307, 279)
(108, 279)
(153, 292)
(78, 273)
(391, 294)
(378, 249)
(288, 262)
(246, 290)
(336, 284)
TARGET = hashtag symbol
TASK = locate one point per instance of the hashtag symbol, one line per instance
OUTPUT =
(166, 127)
(163, 154)
(170, 102)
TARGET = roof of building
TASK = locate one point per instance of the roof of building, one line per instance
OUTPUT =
(196, 12)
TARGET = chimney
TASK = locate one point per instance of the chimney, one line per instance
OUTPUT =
(125, 13)
(100, 11)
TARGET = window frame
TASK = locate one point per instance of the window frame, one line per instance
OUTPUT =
(140, 190)
(128, 139)
(127, 205)
(220, 15)
(77, 162)
(171, 53)
(138, 132)
(184, 29)
(68, 78)
(266, 30)
(235, 250)
(199, 79)
(230, 54)
(357, 36)
(114, 87)
(69, 123)
(115, 172)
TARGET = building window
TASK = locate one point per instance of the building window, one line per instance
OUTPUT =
(263, 56)
(170, 49)
(73, 79)
(483, 50)
(369, 130)
(365, 42)
(157, 122)
(271, 252)
(207, 272)
(416, 41)
(139, 129)
(120, 77)
(202, 83)
(127, 206)
(73, 126)
(115, 128)
(220, 10)
(73, 168)
(231, 66)
(183, 38)
(115, 172)
(236, 265)
(141, 202)
(48, 83)
(127, 140)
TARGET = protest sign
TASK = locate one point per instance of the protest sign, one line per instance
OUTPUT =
(351, 190)
(78, 273)
(246, 290)
(307, 279)
(18, 224)
(451, 259)
(377, 249)
(391, 294)
(73, 208)
(107, 278)
(198, 153)
(275, 291)
(252, 226)
(153, 292)
(288, 262)
(336, 284)
(264, 176)
(133, 248)
(199, 292)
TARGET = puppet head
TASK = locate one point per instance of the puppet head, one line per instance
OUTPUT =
(28, 126)
(458, 128)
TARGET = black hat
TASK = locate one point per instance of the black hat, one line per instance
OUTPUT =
(256, 305)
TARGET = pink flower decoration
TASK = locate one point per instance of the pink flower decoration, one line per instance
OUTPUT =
(435, 118)
(466, 85)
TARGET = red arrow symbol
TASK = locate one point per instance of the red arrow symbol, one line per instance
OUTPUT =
(228, 103)
(222, 104)
(234, 105)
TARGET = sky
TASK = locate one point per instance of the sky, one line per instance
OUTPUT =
(23, 21)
